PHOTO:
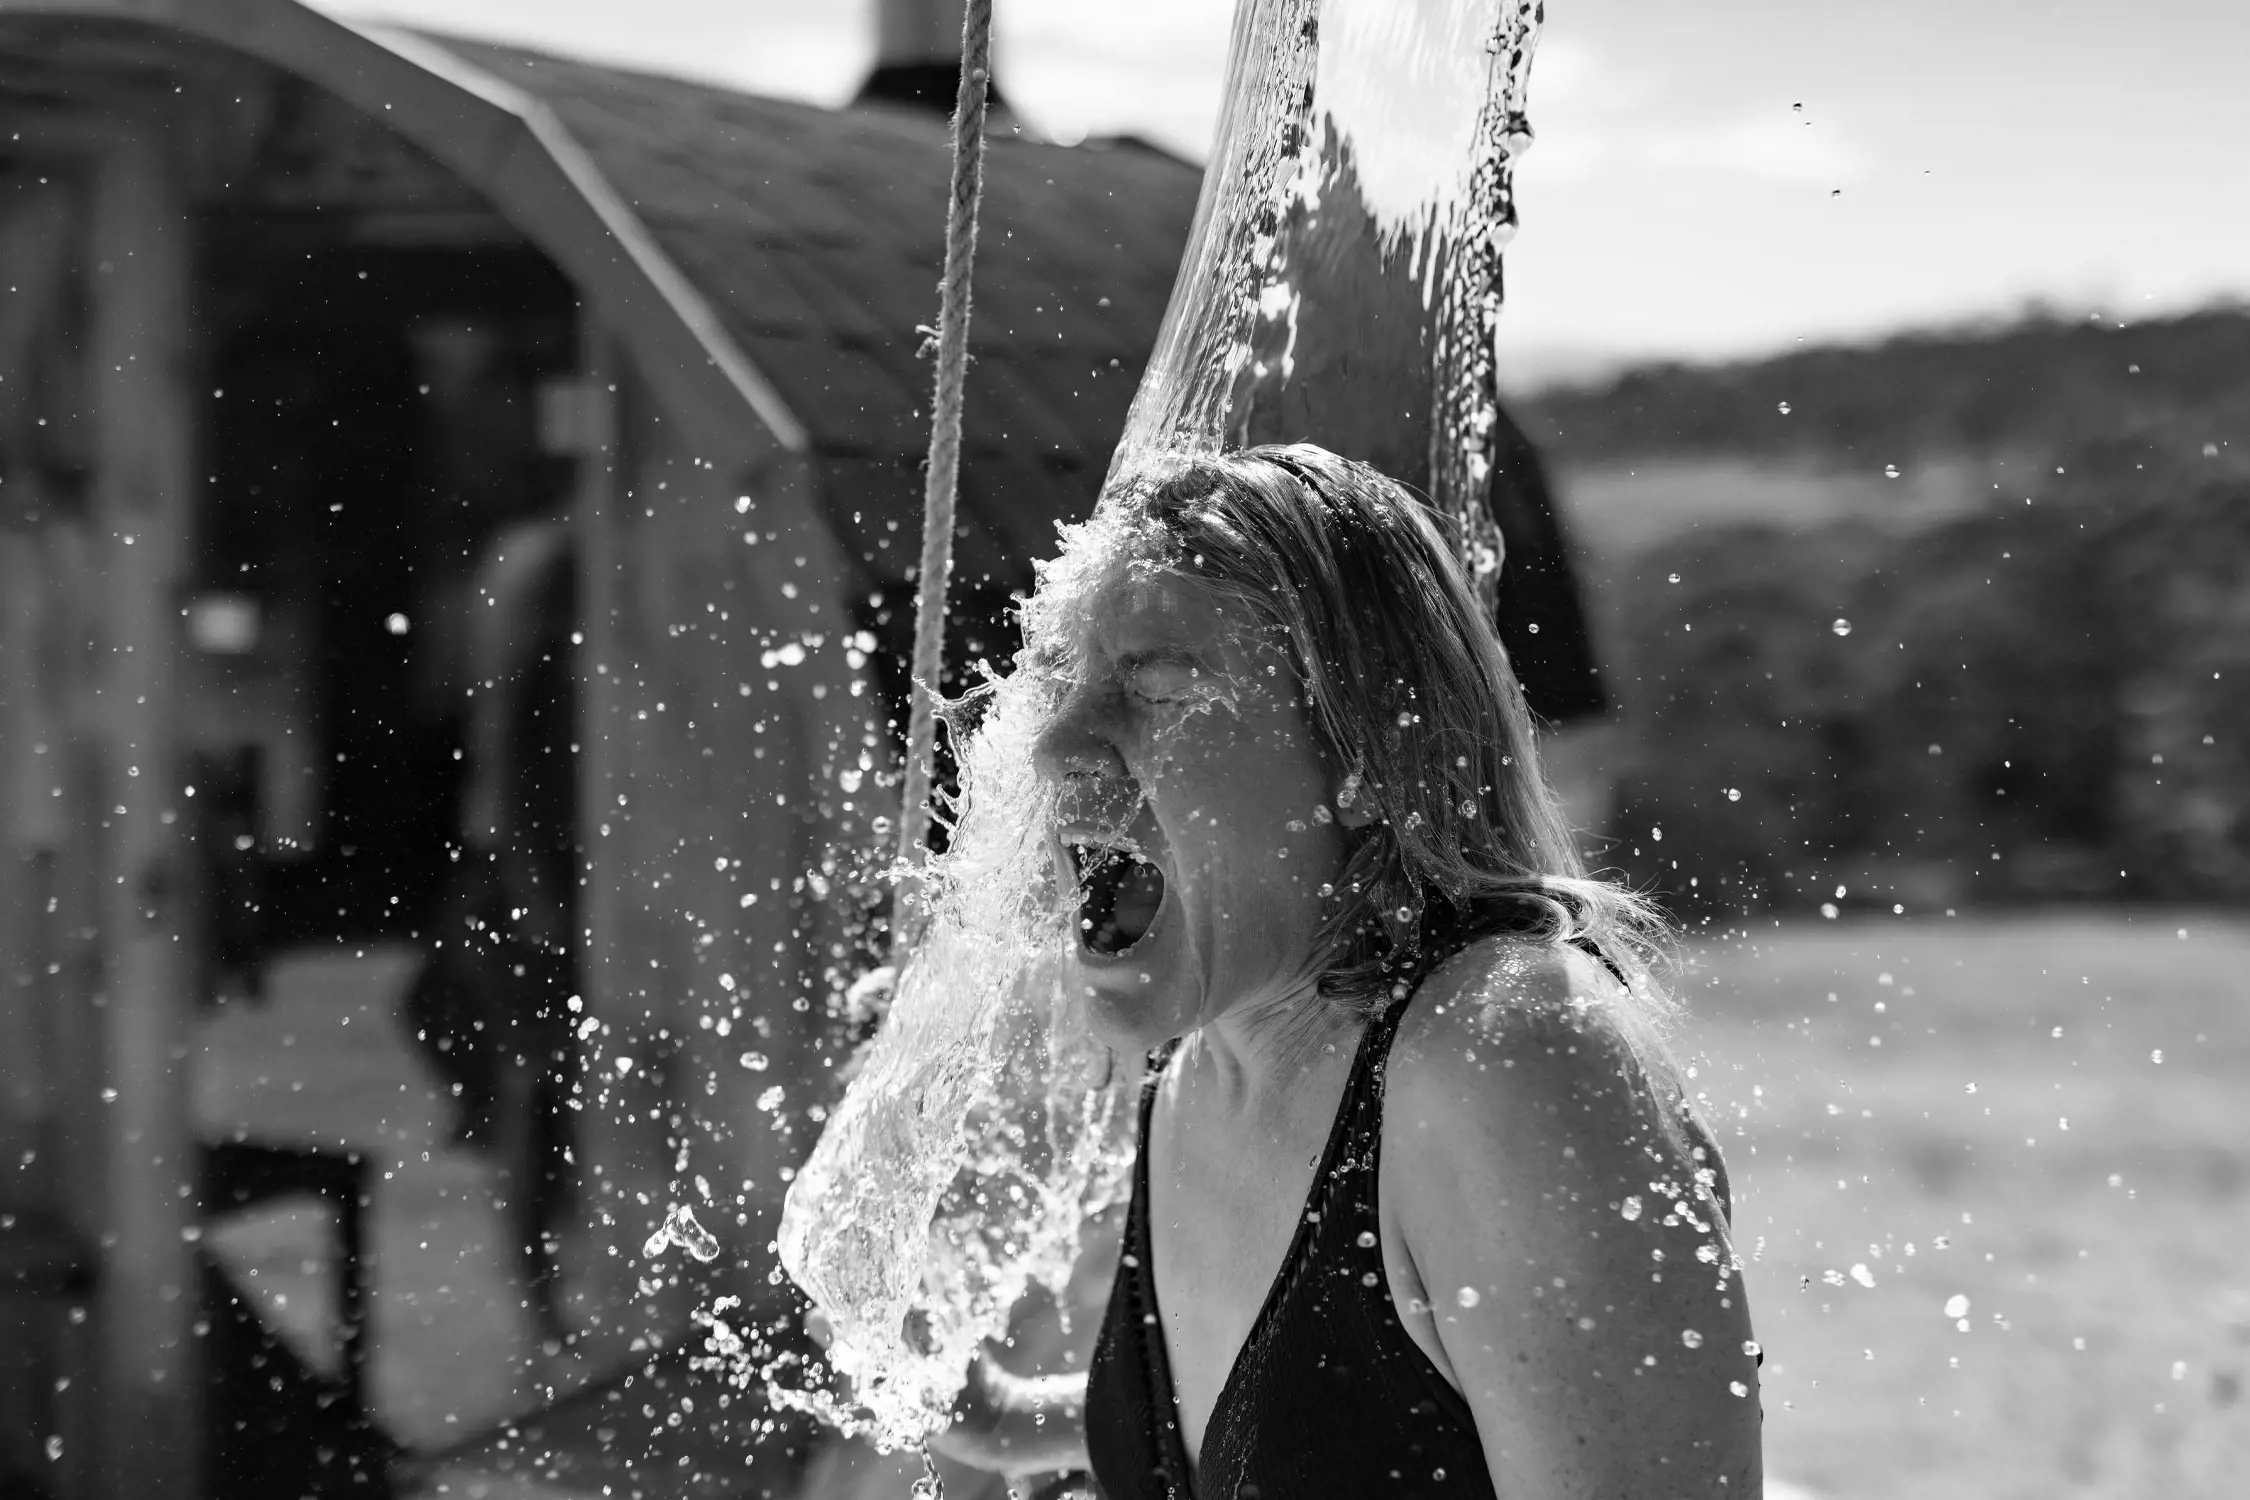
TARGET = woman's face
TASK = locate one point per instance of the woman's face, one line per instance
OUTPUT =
(1193, 809)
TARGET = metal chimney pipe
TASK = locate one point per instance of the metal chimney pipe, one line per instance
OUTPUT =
(918, 31)
(918, 57)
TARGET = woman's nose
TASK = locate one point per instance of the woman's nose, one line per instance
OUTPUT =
(1073, 743)
(1077, 753)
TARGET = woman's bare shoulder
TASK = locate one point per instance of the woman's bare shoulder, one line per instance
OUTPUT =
(1584, 1295)
(1523, 1049)
(1513, 1003)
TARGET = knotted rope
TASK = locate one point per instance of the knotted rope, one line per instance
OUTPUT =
(941, 483)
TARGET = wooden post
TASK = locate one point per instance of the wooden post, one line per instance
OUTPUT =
(597, 526)
(138, 345)
(719, 706)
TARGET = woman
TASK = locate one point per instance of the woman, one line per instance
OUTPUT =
(1420, 1207)
(491, 1003)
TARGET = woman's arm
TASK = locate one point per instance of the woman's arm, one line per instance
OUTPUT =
(1031, 1424)
(513, 608)
(1017, 1424)
(1584, 1291)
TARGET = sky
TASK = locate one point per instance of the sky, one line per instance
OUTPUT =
(1712, 179)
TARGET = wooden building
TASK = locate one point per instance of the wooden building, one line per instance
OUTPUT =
(294, 316)
(296, 313)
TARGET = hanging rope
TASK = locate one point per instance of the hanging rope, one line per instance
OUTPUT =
(941, 483)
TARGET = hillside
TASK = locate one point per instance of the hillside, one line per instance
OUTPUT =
(1967, 624)
(2042, 385)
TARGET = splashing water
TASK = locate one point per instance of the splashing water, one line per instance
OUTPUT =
(983, 1126)
(681, 1228)
(1341, 284)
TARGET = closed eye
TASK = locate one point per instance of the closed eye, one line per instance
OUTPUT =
(1161, 679)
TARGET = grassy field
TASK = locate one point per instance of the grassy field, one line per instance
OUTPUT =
(1637, 510)
(2047, 1116)
(1911, 1125)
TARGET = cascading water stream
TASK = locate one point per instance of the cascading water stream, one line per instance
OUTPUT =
(1341, 284)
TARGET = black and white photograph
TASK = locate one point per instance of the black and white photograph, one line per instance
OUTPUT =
(1203, 750)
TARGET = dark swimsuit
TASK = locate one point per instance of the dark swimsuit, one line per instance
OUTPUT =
(1329, 1395)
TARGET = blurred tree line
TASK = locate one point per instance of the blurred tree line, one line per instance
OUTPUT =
(2041, 384)
(2044, 698)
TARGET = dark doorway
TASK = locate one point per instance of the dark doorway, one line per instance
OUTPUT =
(378, 421)
(374, 425)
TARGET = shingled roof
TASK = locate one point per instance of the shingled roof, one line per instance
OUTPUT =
(817, 237)
(770, 265)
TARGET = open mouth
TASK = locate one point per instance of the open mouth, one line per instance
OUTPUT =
(1119, 893)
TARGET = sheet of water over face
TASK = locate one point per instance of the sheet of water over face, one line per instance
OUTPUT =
(1341, 285)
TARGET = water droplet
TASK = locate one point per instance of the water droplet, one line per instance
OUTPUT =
(1467, 1296)
(1585, 1325)
(1782, 407)
(1956, 1306)
(1752, 1348)
(1691, 1338)
(1842, 626)
(54, 1450)
(1630, 1208)
(680, 1228)
(1890, 471)
(1367, 1239)
(2156, 1056)
(1672, 578)
(395, 624)
(1862, 1275)
(1738, 1388)
(1734, 794)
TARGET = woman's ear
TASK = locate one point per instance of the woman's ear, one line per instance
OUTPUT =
(1354, 808)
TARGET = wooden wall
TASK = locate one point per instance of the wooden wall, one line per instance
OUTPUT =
(52, 976)
(98, 943)
(41, 370)
(142, 497)
(725, 754)
(722, 696)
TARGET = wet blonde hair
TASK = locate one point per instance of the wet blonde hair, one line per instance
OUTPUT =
(1412, 696)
